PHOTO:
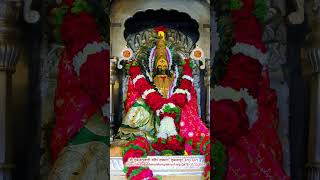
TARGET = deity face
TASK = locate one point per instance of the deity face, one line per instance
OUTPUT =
(162, 64)
(163, 78)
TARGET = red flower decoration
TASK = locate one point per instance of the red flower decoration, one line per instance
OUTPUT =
(158, 145)
(73, 33)
(145, 173)
(185, 84)
(172, 143)
(143, 85)
(230, 120)
(155, 101)
(203, 142)
(242, 72)
(131, 153)
(160, 28)
(134, 71)
(179, 99)
(141, 142)
(130, 170)
(69, 2)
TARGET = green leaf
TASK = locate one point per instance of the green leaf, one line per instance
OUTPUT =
(125, 170)
(57, 35)
(132, 146)
(235, 4)
(136, 172)
(179, 138)
(182, 62)
(81, 6)
(190, 142)
(219, 157)
(261, 10)
(167, 152)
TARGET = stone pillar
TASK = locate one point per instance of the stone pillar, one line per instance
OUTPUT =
(9, 12)
(312, 51)
(313, 166)
(113, 78)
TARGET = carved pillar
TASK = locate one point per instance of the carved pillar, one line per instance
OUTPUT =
(8, 58)
(207, 86)
(113, 78)
(312, 52)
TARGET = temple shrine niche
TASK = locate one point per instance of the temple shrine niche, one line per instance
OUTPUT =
(160, 41)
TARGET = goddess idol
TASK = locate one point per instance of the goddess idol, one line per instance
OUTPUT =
(161, 106)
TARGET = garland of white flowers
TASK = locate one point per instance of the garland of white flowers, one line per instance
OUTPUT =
(147, 92)
(177, 91)
(91, 48)
(167, 128)
(250, 51)
(137, 78)
(183, 91)
(219, 93)
(188, 78)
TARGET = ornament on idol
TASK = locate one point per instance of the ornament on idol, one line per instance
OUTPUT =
(126, 55)
(198, 54)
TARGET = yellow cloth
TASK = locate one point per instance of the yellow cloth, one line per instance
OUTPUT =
(138, 121)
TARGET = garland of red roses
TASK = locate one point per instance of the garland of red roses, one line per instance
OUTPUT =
(137, 148)
(69, 18)
(157, 102)
(238, 23)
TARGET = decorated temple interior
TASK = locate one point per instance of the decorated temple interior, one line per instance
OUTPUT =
(158, 89)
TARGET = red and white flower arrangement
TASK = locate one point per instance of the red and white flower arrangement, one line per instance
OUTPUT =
(242, 95)
(167, 111)
(78, 95)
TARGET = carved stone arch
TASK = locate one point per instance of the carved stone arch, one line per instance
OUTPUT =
(121, 10)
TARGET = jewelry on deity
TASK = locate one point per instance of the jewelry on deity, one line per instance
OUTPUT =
(126, 54)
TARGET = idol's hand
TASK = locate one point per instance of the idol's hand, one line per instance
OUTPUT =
(167, 128)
